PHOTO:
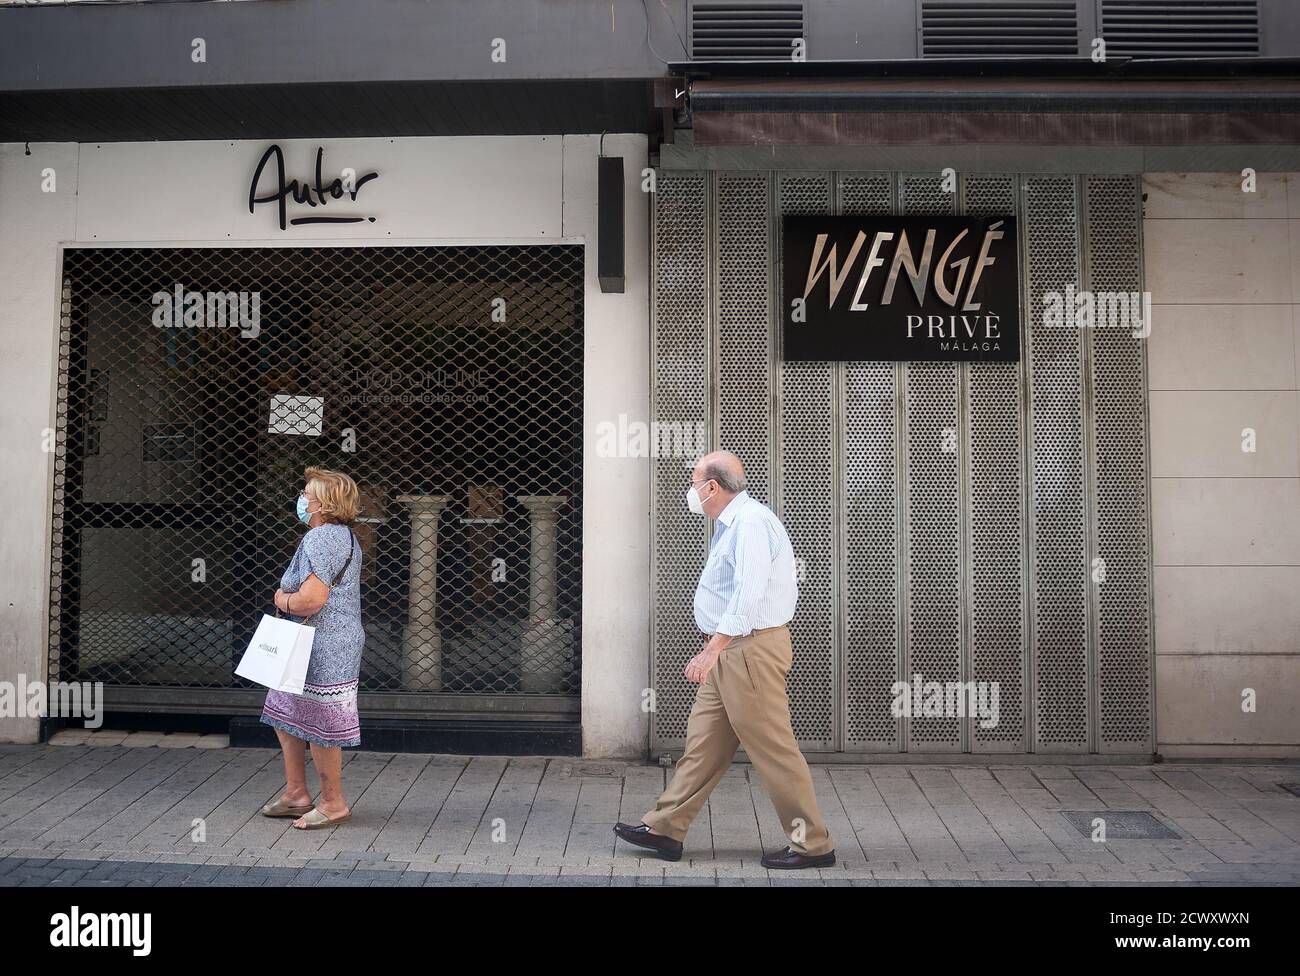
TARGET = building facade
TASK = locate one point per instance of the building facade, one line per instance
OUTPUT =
(515, 297)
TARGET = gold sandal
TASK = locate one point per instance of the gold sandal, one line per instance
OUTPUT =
(315, 820)
(281, 809)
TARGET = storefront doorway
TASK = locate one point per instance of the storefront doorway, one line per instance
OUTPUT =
(197, 383)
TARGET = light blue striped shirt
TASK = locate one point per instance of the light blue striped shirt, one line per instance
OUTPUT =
(748, 581)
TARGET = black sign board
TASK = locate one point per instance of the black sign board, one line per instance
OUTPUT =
(901, 288)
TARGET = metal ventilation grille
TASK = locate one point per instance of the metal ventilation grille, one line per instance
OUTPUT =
(999, 28)
(1181, 28)
(180, 450)
(744, 31)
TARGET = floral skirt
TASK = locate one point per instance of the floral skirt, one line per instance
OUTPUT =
(323, 714)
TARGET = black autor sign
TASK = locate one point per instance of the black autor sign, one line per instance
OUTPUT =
(901, 288)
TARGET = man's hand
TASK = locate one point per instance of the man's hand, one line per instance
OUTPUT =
(698, 667)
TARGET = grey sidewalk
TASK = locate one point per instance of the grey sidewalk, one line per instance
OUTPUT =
(143, 815)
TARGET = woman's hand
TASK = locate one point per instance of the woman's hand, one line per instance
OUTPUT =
(280, 600)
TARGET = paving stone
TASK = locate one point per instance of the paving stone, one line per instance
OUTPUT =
(585, 871)
(23, 873)
(311, 876)
(953, 873)
(140, 740)
(538, 871)
(69, 737)
(179, 740)
(106, 738)
(479, 878)
(259, 871)
(389, 866)
(366, 874)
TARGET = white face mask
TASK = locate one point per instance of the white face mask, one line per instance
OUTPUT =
(693, 501)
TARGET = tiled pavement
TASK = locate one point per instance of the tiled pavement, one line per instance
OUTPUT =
(147, 815)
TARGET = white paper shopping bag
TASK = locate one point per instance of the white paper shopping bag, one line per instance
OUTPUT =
(278, 654)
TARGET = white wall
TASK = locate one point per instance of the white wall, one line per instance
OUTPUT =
(1223, 267)
(432, 190)
(616, 491)
(31, 221)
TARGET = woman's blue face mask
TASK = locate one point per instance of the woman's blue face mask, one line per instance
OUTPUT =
(304, 516)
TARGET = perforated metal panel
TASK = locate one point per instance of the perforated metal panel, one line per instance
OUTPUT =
(958, 543)
(1060, 637)
(681, 305)
(993, 453)
(872, 648)
(1117, 369)
(182, 444)
(932, 510)
(743, 331)
(808, 506)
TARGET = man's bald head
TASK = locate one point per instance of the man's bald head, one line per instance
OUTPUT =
(724, 468)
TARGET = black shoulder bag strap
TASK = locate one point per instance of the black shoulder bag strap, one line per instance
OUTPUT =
(352, 544)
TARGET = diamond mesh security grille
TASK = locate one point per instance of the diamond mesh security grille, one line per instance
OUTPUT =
(447, 381)
(969, 500)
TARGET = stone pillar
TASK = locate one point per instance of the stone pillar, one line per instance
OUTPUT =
(544, 653)
(421, 642)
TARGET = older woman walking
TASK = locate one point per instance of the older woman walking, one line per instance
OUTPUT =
(323, 582)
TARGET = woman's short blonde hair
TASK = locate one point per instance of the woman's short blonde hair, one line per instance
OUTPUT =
(339, 499)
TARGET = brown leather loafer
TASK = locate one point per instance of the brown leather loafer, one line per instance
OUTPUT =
(790, 859)
(640, 835)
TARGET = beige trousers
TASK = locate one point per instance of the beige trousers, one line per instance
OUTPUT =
(743, 702)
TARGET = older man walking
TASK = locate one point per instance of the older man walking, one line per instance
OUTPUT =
(743, 603)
